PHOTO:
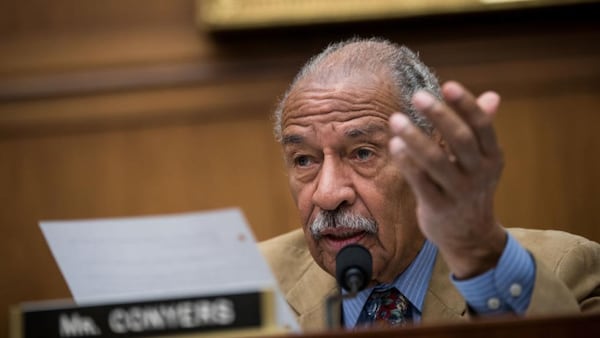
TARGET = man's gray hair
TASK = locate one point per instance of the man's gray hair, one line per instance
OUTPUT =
(374, 55)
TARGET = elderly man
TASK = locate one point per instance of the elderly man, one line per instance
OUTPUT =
(378, 154)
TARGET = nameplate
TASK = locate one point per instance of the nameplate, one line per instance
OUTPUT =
(145, 319)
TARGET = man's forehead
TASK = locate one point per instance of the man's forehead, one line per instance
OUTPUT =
(362, 127)
(321, 102)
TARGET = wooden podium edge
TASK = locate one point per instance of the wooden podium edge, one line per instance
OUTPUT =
(571, 325)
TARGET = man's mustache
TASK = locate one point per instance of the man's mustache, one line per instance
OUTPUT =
(341, 218)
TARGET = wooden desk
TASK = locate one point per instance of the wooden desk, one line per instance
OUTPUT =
(555, 327)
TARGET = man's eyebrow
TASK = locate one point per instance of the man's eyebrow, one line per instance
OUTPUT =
(365, 130)
(292, 139)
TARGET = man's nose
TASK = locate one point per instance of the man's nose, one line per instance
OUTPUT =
(334, 185)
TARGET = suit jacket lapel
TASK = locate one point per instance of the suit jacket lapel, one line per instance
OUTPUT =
(308, 297)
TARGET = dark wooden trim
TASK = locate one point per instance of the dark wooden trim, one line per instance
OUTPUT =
(119, 79)
(139, 108)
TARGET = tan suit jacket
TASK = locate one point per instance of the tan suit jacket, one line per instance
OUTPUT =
(567, 278)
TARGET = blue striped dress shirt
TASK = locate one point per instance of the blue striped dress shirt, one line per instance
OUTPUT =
(505, 288)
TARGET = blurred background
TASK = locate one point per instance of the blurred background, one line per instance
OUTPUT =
(139, 107)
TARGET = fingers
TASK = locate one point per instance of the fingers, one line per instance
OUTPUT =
(478, 118)
(456, 133)
(426, 155)
(464, 122)
(489, 102)
(465, 125)
(423, 187)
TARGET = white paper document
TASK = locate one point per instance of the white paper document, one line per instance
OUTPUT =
(157, 257)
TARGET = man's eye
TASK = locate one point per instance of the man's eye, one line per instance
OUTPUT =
(302, 161)
(364, 154)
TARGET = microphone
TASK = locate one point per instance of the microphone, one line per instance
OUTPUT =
(353, 268)
(353, 271)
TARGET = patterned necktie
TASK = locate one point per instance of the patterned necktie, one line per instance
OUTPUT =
(386, 308)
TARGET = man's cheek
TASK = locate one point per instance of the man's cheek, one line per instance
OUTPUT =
(328, 260)
(304, 206)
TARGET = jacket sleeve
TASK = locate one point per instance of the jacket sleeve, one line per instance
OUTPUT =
(570, 282)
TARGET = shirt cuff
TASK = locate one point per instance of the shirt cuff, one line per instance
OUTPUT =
(505, 288)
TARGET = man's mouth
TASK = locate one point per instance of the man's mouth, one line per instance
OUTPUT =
(339, 237)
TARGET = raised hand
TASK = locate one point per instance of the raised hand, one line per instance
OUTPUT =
(453, 174)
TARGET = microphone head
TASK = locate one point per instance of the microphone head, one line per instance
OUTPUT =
(353, 264)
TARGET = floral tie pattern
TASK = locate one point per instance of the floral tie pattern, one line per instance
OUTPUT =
(388, 307)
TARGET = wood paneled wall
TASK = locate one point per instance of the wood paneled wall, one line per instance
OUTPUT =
(119, 108)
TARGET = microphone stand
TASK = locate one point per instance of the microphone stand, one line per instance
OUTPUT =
(333, 304)
(353, 269)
